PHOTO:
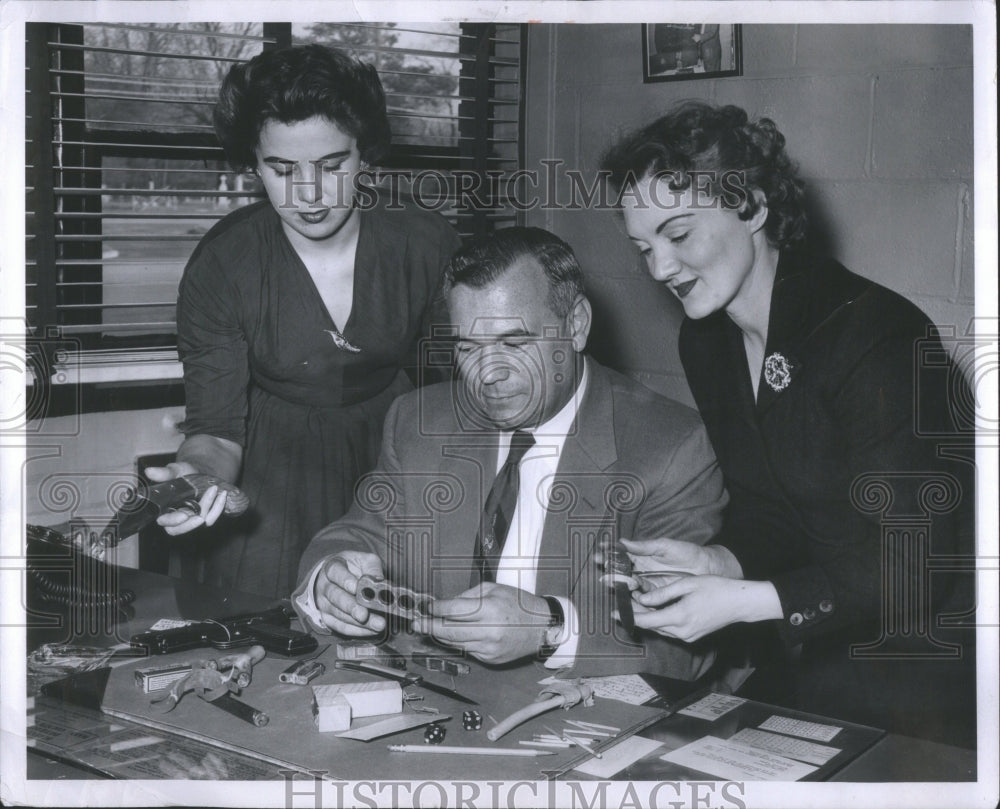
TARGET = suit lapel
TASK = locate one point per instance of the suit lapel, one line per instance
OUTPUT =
(577, 504)
(472, 457)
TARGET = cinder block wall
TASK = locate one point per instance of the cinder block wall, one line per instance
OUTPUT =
(879, 118)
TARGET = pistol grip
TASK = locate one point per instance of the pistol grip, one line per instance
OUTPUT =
(283, 641)
(236, 501)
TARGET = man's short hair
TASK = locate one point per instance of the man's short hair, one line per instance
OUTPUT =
(483, 260)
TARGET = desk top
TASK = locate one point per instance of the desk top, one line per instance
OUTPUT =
(293, 741)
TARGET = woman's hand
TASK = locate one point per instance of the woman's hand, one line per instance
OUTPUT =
(674, 555)
(182, 520)
(695, 606)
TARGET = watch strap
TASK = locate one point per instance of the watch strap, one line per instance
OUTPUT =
(557, 620)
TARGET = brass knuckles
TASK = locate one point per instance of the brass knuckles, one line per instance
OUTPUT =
(382, 596)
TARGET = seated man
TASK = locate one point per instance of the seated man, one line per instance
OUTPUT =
(492, 492)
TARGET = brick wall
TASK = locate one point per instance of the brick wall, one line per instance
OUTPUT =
(879, 118)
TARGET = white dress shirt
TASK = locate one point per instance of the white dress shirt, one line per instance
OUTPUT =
(518, 564)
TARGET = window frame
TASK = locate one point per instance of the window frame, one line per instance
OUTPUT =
(110, 381)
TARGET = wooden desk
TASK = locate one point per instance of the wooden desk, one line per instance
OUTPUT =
(893, 758)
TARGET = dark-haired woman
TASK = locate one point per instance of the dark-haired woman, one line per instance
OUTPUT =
(298, 316)
(804, 374)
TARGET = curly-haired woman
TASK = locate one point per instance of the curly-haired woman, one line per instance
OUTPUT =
(298, 315)
(806, 376)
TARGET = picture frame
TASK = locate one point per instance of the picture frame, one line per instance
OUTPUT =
(685, 51)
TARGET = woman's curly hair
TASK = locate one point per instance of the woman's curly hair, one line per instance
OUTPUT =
(294, 84)
(697, 139)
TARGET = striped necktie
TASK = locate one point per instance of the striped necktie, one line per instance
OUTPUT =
(500, 505)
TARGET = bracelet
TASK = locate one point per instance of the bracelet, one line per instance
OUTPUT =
(557, 620)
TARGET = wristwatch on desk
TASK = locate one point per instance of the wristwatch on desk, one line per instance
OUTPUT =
(553, 632)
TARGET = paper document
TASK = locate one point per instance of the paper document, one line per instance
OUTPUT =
(799, 749)
(736, 762)
(712, 707)
(630, 688)
(617, 758)
(799, 727)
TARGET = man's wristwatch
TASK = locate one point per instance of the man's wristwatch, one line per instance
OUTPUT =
(554, 630)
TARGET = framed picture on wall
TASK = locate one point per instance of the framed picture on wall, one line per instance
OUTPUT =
(679, 51)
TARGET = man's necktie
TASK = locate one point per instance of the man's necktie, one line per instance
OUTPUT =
(500, 505)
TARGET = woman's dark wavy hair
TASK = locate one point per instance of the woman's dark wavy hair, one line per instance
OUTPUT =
(293, 84)
(738, 156)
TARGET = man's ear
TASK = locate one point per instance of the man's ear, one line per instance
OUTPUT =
(579, 320)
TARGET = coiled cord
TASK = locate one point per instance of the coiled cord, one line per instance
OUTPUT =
(68, 595)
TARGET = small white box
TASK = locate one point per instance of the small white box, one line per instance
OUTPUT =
(333, 715)
(361, 699)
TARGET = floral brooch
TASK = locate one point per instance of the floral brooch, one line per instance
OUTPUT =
(777, 371)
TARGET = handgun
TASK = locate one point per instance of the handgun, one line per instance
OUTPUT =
(141, 506)
(144, 503)
(268, 628)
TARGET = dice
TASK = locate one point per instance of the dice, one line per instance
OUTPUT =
(434, 734)
(472, 720)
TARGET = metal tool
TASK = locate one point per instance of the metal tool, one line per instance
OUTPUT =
(228, 703)
(619, 577)
(216, 688)
(403, 677)
(443, 664)
(304, 670)
(301, 672)
(383, 596)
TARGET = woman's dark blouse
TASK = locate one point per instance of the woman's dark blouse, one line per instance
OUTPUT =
(808, 469)
(265, 366)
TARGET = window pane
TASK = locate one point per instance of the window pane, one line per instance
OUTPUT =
(421, 87)
(165, 77)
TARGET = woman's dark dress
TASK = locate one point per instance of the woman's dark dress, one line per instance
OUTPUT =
(808, 469)
(266, 366)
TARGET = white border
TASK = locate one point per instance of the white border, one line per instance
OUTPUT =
(13, 14)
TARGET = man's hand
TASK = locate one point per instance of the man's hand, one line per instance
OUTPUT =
(334, 595)
(695, 606)
(673, 555)
(182, 520)
(492, 622)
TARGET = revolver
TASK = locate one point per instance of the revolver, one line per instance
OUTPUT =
(268, 628)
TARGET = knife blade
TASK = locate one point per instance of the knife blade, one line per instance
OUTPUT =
(404, 677)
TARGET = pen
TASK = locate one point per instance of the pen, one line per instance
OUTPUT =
(469, 751)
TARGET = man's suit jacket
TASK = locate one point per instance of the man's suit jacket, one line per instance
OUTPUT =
(824, 471)
(634, 464)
